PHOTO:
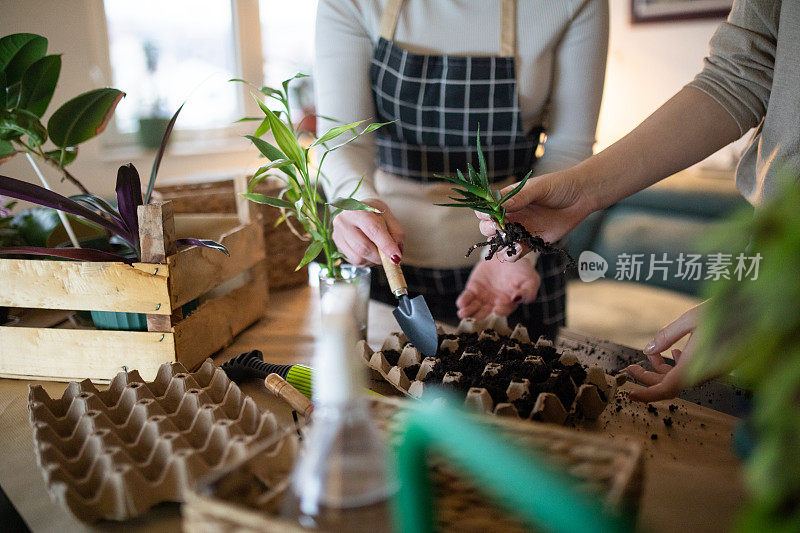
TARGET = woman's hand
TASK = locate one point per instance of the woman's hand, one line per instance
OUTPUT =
(667, 381)
(498, 287)
(359, 234)
(548, 206)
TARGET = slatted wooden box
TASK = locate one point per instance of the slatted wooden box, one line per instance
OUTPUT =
(232, 292)
(285, 248)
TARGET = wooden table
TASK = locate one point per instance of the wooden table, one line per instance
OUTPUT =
(692, 479)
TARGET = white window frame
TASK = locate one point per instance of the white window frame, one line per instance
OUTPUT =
(248, 58)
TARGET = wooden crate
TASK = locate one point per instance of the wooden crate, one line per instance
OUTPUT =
(285, 249)
(232, 292)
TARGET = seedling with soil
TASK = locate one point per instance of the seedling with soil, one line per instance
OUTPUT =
(477, 194)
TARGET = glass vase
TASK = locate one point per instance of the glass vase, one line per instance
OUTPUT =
(359, 276)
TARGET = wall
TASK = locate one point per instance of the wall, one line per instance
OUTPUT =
(72, 31)
(647, 64)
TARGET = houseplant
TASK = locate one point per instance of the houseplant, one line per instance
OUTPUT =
(302, 200)
(476, 193)
(751, 327)
(121, 224)
(28, 79)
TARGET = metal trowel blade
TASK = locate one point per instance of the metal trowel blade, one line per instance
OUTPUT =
(414, 318)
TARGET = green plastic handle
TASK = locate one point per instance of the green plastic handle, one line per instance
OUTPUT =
(525, 484)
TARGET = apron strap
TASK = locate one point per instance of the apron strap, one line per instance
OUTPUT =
(391, 14)
(508, 24)
(508, 28)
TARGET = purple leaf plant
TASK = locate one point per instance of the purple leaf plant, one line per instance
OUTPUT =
(122, 221)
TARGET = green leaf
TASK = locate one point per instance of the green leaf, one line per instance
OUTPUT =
(248, 119)
(286, 140)
(68, 155)
(274, 93)
(477, 208)
(255, 180)
(312, 252)
(18, 52)
(314, 233)
(267, 200)
(83, 117)
(335, 132)
(286, 83)
(467, 200)
(21, 122)
(375, 126)
(351, 204)
(482, 163)
(473, 176)
(262, 128)
(267, 150)
(38, 84)
(261, 104)
(41, 226)
(7, 151)
(515, 190)
(452, 179)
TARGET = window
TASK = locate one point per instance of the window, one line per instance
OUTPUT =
(287, 38)
(163, 52)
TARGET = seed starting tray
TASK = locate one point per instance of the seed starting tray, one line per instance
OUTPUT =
(514, 377)
(113, 454)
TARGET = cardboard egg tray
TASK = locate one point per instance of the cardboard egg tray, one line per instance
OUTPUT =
(113, 454)
(408, 375)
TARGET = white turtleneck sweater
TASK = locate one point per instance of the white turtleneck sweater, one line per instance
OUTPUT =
(561, 58)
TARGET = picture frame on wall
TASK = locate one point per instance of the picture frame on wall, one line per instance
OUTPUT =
(670, 10)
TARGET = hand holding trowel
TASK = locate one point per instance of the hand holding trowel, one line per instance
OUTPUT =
(412, 314)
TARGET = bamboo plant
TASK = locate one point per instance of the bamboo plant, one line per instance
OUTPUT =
(752, 328)
(290, 159)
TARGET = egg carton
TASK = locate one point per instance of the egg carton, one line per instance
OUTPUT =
(408, 374)
(115, 453)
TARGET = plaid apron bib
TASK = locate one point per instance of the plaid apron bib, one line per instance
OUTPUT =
(438, 103)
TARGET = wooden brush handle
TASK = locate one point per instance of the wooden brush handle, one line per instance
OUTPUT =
(284, 390)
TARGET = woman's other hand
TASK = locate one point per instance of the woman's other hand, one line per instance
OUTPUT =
(498, 287)
(359, 234)
(667, 381)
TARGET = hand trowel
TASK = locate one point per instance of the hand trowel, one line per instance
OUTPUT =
(412, 314)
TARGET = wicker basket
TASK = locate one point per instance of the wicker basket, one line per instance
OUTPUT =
(284, 249)
(246, 498)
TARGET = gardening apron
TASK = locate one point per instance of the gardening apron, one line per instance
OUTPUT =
(438, 103)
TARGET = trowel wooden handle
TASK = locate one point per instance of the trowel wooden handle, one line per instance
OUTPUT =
(284, 390)
(394, 274)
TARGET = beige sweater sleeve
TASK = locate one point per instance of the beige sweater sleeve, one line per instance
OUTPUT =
(739, 69)
(343, 52)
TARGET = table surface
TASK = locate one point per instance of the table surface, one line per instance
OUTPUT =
(693, 481)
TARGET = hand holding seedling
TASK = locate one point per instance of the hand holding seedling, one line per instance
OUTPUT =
(551, 205)
(477, 194)
(359, 234)
(498, 287)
